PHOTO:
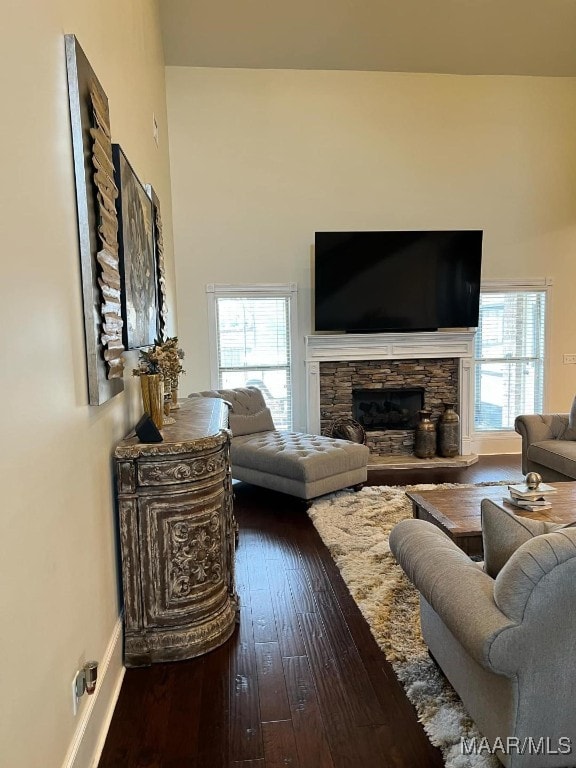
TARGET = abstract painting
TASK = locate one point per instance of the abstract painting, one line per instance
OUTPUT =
(137, 259)
(159, 249)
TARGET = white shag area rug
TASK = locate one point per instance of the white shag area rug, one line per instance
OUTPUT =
(355, 528)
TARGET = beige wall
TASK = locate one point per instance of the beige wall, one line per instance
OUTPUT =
(262, 159)
(59, 599)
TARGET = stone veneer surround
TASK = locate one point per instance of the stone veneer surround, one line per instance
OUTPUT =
(338, 380)
(418, 348)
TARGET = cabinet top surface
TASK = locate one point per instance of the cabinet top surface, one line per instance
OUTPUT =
(201, 423)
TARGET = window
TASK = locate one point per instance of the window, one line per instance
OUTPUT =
(509, 357)
(251, 343)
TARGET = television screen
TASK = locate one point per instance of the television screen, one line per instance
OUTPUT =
(397, 281)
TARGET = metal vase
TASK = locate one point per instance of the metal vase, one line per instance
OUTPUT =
(166, 418)
(425, 436)
(449, 432)
(174, 405)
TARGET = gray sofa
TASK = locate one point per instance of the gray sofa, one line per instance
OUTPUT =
(295, 463)
(548, 445)
(503, 634)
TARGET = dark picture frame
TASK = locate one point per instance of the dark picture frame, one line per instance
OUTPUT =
(138, 269)
(97, 226)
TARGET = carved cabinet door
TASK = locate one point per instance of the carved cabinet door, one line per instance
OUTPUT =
(184, 557)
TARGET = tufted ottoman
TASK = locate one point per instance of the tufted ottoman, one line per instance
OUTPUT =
(301, 465)
(290, 462)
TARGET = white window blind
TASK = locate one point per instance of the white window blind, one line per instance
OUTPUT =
(509, 357)
(253, 349)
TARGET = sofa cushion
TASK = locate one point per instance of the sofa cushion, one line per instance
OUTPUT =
(298, 456)
(248, 424)
(559, 455)
(530, 565)
(503, 532)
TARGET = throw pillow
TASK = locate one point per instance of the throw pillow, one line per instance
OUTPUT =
(503, 532)
(261, 421)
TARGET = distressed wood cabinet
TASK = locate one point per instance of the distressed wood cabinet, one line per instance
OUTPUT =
(177, 536)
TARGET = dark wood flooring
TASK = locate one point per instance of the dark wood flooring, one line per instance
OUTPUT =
(301, 683)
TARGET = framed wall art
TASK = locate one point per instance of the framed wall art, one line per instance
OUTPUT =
(161, 270)
(138, 269)
(97, 226)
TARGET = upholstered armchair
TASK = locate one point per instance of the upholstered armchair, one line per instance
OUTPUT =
(503, 633)
(294, 463)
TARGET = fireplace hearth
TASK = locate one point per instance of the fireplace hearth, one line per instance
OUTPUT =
(387, 408)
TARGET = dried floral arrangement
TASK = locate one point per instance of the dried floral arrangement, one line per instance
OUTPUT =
(163, 358)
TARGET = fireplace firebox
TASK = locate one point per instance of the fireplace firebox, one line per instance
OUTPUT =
(387, 408)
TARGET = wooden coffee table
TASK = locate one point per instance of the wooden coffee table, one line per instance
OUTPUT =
(457, 510)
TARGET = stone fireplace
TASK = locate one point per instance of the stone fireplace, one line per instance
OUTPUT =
(392, 393)
(383, 380)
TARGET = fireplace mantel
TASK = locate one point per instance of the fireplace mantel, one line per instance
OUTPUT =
(392, 346)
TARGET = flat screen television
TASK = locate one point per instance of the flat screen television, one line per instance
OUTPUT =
(397, 281)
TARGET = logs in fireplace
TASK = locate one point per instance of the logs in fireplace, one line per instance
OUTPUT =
(388, 408)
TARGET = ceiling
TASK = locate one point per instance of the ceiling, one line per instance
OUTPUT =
(493, 37)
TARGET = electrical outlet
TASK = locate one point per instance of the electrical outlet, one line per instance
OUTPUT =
(74, 691)
(84, 681)
(569, 359)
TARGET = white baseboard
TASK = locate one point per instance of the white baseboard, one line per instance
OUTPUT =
(90, 734)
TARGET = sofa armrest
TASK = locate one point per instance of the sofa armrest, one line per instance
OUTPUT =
(461, 593)
(541, 426)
